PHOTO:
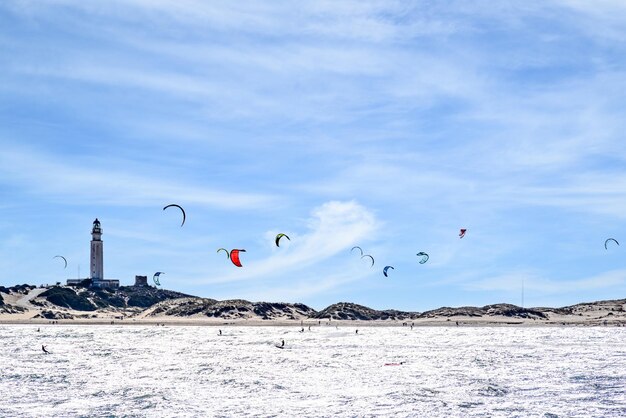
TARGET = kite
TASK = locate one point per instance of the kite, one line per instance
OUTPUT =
(278, 237)
(607, 241)
(360, 249)
(387, 268)
(367, 255)
(424, 257)
(234, 257)
(156, 278)
(225, 250)
(60, 256)
(462, 232)
(181, 209)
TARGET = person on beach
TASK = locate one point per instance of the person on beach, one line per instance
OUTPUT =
(357, 331)
(220, 332)
(43, 347)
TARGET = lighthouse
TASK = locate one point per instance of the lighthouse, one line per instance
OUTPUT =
(96, 272)
(97, 269)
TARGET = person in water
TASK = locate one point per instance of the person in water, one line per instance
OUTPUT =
(282, 344)
(43, 347)
(357, 331)
(220, 332)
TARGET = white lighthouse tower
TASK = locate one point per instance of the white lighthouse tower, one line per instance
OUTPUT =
(97, 269)
(96, 273)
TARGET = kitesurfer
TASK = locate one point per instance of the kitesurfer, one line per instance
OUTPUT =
(278, 237)
(43, 347)
(64, 259)
(181, 209)
(371, 258)
(395, 364)
(234, 257)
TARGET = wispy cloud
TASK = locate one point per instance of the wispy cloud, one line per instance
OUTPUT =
(334, 228)
(66, 180)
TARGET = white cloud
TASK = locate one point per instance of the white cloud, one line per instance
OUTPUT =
(334, 228)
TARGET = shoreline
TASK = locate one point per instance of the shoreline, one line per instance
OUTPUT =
(462, 322)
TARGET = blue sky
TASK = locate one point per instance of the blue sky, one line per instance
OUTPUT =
(388, 125)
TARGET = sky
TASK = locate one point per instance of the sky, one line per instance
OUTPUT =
(384, 124)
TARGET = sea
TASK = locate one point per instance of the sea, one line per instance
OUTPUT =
(192, 371)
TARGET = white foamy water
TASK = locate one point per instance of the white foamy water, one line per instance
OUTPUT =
(128, 371)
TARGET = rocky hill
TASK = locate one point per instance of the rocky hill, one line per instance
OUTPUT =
(21, 290)
(62, 302)
(352, 311)
(232, 309)
(445, 311)
(93, 299)
(610, 307)
(502, 309)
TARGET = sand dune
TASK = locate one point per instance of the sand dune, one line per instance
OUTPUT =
(30, 305)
